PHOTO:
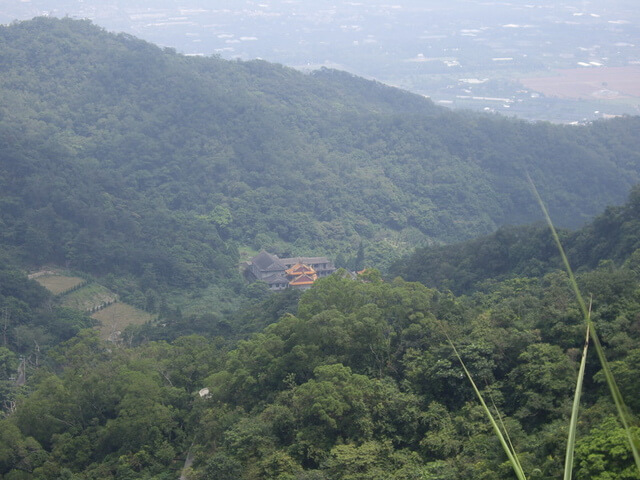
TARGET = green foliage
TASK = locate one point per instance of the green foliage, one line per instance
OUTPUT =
(122, 158)
(358, 382)
(604, 454)
(351, 379)
(529, 251)
(30, 325)
(122, 410)
(542, 383)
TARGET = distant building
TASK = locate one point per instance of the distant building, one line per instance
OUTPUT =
(281, 273)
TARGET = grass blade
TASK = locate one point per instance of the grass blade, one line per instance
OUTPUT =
(511, 454)
(571, 440)
(623, 412)
(506, 433)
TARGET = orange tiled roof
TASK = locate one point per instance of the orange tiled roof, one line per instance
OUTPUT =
(300, 269)
(303, 280)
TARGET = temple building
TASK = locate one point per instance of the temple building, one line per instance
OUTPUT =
(281, 273)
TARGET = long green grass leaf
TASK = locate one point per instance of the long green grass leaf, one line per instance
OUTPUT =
(571, 440)
(506, 432)
(511, 454)
(623, 412)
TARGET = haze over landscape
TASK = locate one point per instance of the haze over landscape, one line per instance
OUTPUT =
(218, 267)
(566, 61)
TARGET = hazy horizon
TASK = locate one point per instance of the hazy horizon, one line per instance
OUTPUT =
(492, 56)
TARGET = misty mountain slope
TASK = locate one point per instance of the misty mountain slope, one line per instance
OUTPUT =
(119, 156)
(526, 251)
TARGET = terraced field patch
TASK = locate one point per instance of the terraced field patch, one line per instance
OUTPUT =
(101, 302)
(89, 298)
(116, 317)
(57, 284)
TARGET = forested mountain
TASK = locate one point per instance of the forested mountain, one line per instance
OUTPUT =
(119, 157)
(525, 251)
(359, 383)
(151, 169)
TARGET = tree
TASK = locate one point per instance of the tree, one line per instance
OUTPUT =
(542, 384)
(604, 454)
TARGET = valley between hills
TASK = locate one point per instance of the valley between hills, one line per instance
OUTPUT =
(134, 181)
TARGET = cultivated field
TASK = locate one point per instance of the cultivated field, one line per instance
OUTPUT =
(89, 297)
(588, 82)
(113, 316)
(117, 317)
(58, 284)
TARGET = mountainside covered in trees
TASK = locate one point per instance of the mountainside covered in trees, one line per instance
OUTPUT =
(357, 382)
(119, 157)
(150, 168)
(525, 251)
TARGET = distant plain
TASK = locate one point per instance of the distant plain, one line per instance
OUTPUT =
(601, 82)
(513, 50)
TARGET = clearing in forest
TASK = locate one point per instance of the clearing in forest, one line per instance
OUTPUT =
(55, 283)
(116, 317)
(101, 302)
(89, 298)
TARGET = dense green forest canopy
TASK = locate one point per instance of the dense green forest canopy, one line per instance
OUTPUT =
(119, 157)
(353, 379)
(153, 169)
(525, 251)
(357, 383)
